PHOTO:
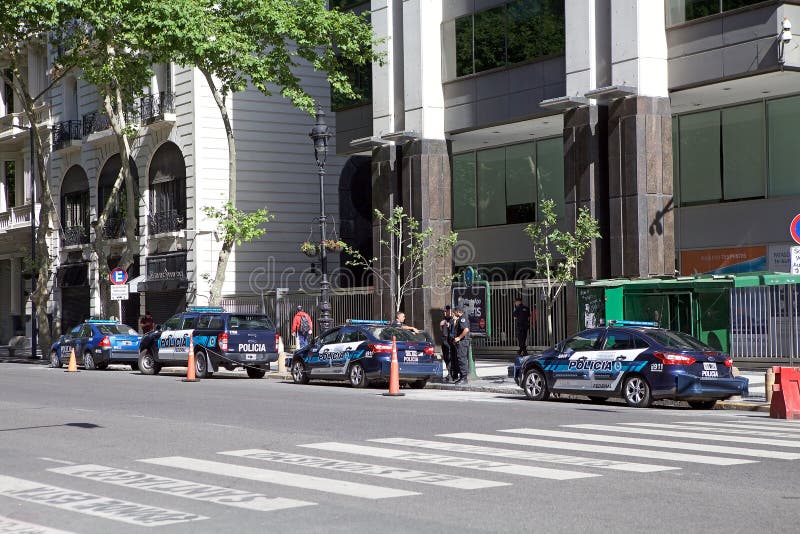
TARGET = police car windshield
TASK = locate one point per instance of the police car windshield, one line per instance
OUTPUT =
(386, 332)
(250, 322)
(677, 340)
(114, 329)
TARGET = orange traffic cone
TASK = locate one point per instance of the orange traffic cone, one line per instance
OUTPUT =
(72, 367)
(394, 373)
(190, 365)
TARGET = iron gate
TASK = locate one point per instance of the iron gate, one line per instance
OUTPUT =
(764, 323)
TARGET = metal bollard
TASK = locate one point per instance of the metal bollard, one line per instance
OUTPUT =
(769, 381)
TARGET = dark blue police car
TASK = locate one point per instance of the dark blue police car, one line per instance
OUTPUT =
(97, 343)
(220, 338)
(361, 351)
(634, 360)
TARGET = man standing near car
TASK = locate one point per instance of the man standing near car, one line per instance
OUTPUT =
(522, 322)
(301, 327)
(448, 355)
(461, 341)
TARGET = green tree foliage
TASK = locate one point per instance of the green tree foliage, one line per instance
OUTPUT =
(236, 225)
(557, 252)
(411, 252)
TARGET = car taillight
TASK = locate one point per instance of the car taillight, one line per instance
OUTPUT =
(674, 359)
(105, 343)
(380, 347)
(728, 362)
(429, 351)
(222, 342)
(277, 340)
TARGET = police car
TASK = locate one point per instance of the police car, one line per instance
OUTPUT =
(361, 350)
(220, 339)
(97, 343)
(634, 360)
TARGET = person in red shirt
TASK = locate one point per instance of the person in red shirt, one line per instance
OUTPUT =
(302, 327)
(146, 323)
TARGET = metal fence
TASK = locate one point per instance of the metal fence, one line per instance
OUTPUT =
(765, 323)
(358, 303)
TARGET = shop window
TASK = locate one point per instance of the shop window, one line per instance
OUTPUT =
(464, 214)
(743, 152)
(700, 169)
(783, 115)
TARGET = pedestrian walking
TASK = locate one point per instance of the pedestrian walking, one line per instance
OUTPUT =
(146, 322)
(400, 322)
(301, 327)
(522, 322)
(448, 355)
(461, 341)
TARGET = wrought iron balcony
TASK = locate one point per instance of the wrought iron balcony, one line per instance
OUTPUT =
(95, 122)
(153, 108)
(66, 132)
(75, 235)
(114, 228)
(167, 221)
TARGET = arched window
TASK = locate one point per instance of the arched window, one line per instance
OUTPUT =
(115, 222)
(167, 178)
(75, 206)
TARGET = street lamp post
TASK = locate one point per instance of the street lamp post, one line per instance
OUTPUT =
(320, 135)
(34, 327)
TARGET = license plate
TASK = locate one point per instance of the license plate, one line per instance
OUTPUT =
(410, 359)
(709, 366)
(249, 356)
(412, 353)
(126, 343)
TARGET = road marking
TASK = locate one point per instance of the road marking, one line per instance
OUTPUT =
(94, 505)
(179, 488)
(452, 461)
(396, 473)
(703, 447)
(590, 447)
(15, 526)
(55, 460)
(757, 426)
(576, 461)
(328, 485)
(689, 435)
(737, 431)
(781, 424)
(457, 396)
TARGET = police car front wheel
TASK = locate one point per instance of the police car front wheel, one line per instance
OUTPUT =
(55, 361)
(299, 373)
(147, 364)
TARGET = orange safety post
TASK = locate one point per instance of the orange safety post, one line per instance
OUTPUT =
(190, 365)
(394, 373)
(72, 367)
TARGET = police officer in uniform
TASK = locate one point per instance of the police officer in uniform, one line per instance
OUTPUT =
(461, 343)
(522, 322)
(448, 355)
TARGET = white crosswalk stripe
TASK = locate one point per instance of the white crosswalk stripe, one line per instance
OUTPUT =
(396, 473)
(328, 485)
(600, 449)
(15, 526)
(793, 429)
(575, 461)
(725, 430)
(702, 447)
(179, 488)
(86, 503)
(451, 461)
(688, 435)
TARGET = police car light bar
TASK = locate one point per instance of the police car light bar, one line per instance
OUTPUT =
(365, 321)
(201, 309)
(102, 321)
(631, 323)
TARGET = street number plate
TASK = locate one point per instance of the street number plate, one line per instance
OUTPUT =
(709, 366)
(250, 356)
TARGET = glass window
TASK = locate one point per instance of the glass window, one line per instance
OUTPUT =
(385, 333)
(583, 341)
(491, 190)
(700, 170)
(490, 38)
(464, 215)
(677, 340)
(463, 45)
(535, 29)
(550, 172)
(330, 337)
(743, 151)
(353, 336)
(86, 331)
(679, 11)
(9, 171)
(620, 341)
(783, 116)
(250, 322)
(114, 329)
(172, 323)
(188, 323)
(8, 93)
(520, 184)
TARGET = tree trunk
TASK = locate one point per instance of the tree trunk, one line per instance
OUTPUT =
(227, 242)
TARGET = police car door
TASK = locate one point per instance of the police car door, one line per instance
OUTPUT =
(81, 341)
(166, 340)
(69, 342)
(320, 354)
(620, 350)
(582, 352)
(350, 348)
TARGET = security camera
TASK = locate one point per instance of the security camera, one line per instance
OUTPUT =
(786, 30)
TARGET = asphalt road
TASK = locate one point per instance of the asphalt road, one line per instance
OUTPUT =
(116, 451)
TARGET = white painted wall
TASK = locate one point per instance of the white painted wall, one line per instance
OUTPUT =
(639, 46)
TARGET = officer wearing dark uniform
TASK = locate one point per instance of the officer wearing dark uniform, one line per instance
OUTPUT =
(448, 355)
(461, 343)
(522, 322)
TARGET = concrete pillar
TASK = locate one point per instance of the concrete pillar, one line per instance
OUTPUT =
(386, 169)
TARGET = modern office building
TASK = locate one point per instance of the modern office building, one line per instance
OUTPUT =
(670, 120)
